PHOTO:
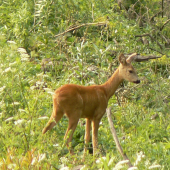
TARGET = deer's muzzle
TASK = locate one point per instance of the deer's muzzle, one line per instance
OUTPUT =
(137, 81)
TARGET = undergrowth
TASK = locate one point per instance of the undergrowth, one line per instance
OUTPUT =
(34, 62)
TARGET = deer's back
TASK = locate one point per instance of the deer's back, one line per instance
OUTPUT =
(89, 101)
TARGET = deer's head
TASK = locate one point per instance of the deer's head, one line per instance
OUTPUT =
(126, 70)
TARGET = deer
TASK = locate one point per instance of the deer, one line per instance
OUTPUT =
(89, 102)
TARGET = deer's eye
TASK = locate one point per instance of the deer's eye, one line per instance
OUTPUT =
(130, 71)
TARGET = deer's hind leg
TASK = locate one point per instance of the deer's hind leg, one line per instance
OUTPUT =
(72, 124)
(55, 117)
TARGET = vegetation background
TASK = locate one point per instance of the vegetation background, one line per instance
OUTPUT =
(47, 43)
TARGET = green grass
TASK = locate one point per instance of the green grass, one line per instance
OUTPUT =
(86, 56)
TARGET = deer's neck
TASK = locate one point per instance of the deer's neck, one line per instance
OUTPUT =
(112, 84)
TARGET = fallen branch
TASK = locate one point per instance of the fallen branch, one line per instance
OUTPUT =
(82, 25)
(115, 137)
(140, 58)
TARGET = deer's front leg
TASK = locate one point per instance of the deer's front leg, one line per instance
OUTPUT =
(87, 134)
(95, 127)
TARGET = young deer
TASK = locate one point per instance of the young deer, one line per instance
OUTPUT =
(88, 102)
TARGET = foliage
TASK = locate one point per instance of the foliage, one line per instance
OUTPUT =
(34, 61)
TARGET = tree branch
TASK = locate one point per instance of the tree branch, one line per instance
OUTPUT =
(82, 25)
(157, 51)
(153, 39)
(139, 58)
(115, 136)
(144, 35)
(164, 25)
(155, 15)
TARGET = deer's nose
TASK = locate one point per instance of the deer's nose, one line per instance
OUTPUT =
(137, 81)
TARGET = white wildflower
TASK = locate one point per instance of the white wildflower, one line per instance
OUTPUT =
(154, 166)
(92, 68)
(120, 164)
(29, 121)
(115, 48)
(18, 122)
(91, 82)
(39, 83)
(34, 160)
(65, 168)
(42, 157)
(100, 160)
(64, 160)
(111, 161)
(49, 91)
(11, 64)
(45, 76)
(133, 168)
(140, 155)
(22, 110)
(101, 51)
(118, 167)
(16, 103)
(23, 53)
(2, 88)
(147, 163)
(56, 145)
(40, 74)
(9, 119)
(12, 42)
(33, 87)
(2, 103)
(84, 167)
(22, 50)
(25, 57)
(43, 118)
(7, 69)
(78, 49)
(11, 166)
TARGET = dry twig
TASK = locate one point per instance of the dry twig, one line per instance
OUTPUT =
(157, 51)
(112, 128)
(152, 38)
(164, 25)
(151, 19)
(82, 25)
(140, 58)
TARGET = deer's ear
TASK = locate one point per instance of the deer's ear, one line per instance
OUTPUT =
(131, 58)
(122, 59)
